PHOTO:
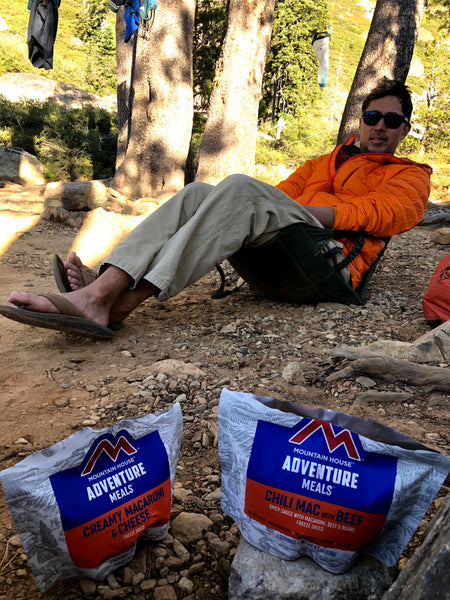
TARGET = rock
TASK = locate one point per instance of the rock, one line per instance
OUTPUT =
(291, 372)
(257, 575)
(176, 368)
(180, 551)
(442, 236)
(190, 527)
(186, 585)
(88, 587)
(218, 547)
(109, 594)
(15, 541)
(165, 592)
(57, 214)
(148, 585)
(19, 87)
(366, 382)
(20, 167)
(427, 574)
(128, 576)
(76, 195)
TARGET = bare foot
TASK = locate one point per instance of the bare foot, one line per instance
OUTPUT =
(107, 298)
(77, 273)
(86, 304)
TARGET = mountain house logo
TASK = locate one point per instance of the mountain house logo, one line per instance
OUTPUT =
(333, 440)
(111, 449)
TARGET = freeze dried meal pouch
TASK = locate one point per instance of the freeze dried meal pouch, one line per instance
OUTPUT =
(309, 481)
(80, 505)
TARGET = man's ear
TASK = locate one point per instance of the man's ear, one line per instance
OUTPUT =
(406, 130)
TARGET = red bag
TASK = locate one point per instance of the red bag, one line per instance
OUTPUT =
(436, 301)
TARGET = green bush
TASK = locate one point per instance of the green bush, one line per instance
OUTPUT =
(71, 144)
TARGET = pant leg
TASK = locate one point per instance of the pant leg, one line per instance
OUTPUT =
(238, 211)
(136, 252)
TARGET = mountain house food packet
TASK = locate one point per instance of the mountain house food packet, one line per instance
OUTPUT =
(80, 505)
(310, 481)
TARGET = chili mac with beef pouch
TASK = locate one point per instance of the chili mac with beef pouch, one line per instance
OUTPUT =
(310, 481)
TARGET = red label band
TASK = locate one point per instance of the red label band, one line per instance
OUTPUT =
(115, 532)
(300, 517)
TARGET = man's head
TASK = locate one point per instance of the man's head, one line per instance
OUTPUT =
(385, 120)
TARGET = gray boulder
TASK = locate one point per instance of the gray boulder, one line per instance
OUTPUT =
(427, 575)
(76, 195)
(257, 575)
(20, 167)
(20, 87)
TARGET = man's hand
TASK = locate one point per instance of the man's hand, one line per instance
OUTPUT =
(324, 214)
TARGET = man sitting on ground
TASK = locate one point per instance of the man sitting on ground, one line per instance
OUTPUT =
(359, 189)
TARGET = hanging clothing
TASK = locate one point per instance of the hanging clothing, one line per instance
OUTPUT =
(131, 18)
(41, 34)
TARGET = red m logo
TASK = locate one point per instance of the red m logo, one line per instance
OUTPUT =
(111, 451)
(333, 441)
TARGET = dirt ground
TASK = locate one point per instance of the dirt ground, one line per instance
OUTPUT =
(50, 384)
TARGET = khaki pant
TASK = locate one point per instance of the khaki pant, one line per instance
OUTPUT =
(200, 227)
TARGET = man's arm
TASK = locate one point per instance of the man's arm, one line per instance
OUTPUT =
(324, 214)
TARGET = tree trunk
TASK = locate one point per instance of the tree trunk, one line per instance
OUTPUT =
(387, 53)
(229, 142)
(154, 101)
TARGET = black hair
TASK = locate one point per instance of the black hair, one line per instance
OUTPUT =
(390, 87)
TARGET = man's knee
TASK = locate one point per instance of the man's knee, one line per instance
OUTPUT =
(198, 186)
(238, 180)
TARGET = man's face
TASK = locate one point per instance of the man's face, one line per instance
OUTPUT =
(379, 138)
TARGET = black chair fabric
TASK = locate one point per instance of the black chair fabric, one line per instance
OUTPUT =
(291, 267)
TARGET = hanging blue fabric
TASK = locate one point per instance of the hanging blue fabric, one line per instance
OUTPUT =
(321, 47)
(131, 18)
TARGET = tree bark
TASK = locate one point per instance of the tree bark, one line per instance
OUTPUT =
(154, 98)
(387, 53)
(229, 141)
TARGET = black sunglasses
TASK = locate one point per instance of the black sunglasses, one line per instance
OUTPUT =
(391, 120)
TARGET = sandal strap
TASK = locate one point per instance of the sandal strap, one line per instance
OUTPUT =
(64, 306)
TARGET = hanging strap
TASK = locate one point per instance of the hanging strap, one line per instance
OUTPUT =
(221, 292)
(352, 254)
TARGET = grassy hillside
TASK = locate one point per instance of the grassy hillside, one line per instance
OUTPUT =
(71, 59)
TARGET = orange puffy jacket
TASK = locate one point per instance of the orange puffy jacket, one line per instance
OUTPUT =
(379, 194)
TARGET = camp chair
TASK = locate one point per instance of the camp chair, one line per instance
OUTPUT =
(292, 267)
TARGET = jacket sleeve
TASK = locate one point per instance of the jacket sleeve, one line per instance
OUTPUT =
(294, 185)
(398, 204)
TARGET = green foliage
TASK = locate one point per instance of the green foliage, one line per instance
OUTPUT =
(292, 64)
(94, 28)
(13, 58)
(75, 144)
(209, 32)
